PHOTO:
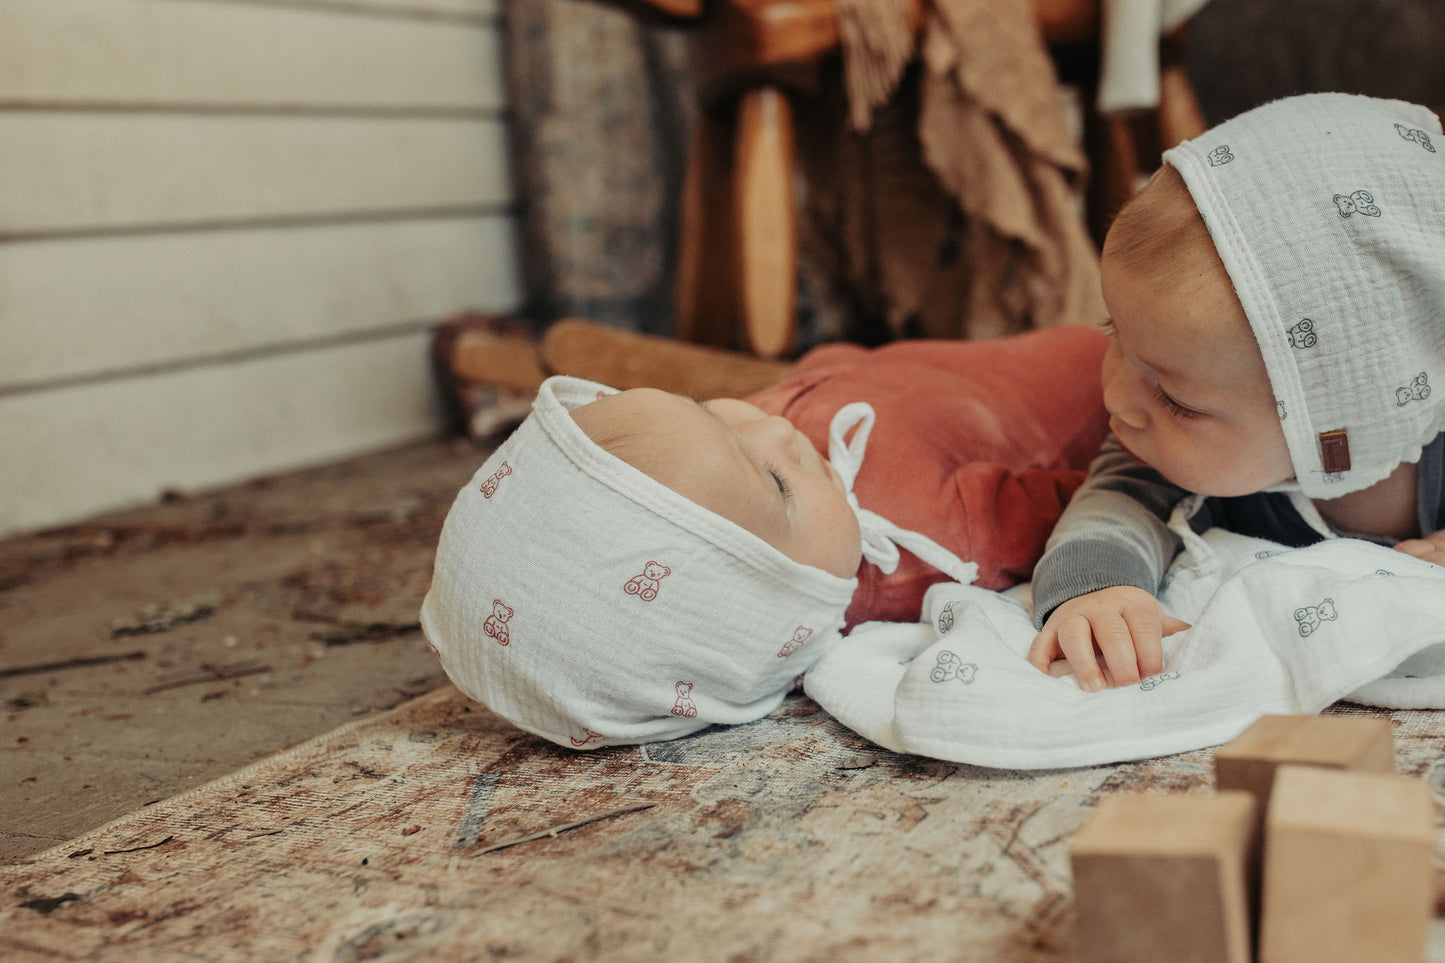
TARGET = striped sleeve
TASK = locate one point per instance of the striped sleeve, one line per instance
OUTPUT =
(1113, 532)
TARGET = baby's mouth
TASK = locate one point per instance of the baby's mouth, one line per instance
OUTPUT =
(1129, 451)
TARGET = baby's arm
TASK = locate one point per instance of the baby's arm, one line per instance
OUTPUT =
(1095, 585)
(1431, 548)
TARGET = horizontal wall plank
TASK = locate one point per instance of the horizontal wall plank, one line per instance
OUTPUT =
(78, 307)
(453, 8)
(72, 453)
(165, 54)
(67, 172)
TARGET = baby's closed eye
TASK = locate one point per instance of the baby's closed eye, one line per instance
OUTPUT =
(1163, 400)
(783, 488)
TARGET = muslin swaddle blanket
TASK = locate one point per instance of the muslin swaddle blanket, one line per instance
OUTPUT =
(1274, 630)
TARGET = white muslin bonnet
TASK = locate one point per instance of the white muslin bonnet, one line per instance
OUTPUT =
(1328, 211)
(589, 604)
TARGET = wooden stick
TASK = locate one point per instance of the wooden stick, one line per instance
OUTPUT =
(554, 830)
(71, 664)
(137, 849)
(223, 673)
(625, 359)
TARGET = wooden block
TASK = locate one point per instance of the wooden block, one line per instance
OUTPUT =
(1164, 878)
(1347, 867)
(1334, 742)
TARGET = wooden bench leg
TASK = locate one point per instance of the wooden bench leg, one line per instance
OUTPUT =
(705, 298)
(766, 221)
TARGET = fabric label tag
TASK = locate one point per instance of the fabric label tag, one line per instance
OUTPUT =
(1335, 450)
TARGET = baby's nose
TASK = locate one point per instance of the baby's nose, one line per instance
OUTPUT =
(778, 432)
(1122, 403)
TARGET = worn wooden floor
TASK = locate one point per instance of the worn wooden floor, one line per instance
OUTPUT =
(436, 831)
(239, 622)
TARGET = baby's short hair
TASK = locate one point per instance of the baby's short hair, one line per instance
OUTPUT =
(1159, 226)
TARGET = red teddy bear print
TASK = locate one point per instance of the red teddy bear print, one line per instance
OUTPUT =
(496, 624)
(684, 706)
(800, 635)
(489, 487)
(588, 738)
(645, 586)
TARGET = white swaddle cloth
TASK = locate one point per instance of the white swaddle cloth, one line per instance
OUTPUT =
(589, 604)
(1328, 211)
(1274, 630)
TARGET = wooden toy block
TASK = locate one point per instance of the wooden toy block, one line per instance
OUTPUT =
(1164, 878)
(1347, 867)
(1334, 742)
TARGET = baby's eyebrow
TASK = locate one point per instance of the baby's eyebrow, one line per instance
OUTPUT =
(704, 407)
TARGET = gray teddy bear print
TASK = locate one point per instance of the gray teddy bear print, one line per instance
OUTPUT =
(1220, 156)
(1309, 617)
(950, 666)
(1417, 390)
(1358, 202)
(1302, 335)
(1417, 135)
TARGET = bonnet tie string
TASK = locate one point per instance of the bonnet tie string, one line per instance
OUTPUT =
(882, 538)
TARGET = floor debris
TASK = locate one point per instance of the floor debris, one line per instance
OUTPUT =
(214, 673)
(76, 663)
(162, 618)
(552, 831)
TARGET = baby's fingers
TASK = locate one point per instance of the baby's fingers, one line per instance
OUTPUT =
(1076, 639)
(1172, 625)
(1127, 641)
(1427, 548)
(1044, 650)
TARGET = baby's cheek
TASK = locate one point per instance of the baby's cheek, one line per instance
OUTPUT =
(850, 543)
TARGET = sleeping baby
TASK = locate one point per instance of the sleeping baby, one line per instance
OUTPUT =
(633, 566)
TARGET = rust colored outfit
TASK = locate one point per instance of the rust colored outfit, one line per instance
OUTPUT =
(978, 445)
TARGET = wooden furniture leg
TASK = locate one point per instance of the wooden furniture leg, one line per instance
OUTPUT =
(766, 221)
(704, 299)
(1180, 116)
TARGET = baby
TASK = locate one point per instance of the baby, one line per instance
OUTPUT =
(1277, 295)
(633, 566)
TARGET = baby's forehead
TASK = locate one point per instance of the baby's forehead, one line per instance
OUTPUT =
(631, 414)
(654, 431)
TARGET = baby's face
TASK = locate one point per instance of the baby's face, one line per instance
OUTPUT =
(1184, 380)
(736, 461)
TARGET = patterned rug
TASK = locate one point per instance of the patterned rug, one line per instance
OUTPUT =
(437, 831)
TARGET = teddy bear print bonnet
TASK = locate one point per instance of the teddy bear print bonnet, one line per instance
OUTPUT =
(591, 605)
(1328, 211)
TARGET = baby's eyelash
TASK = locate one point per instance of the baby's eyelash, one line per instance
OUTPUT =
(1173, 407)
(782, 483)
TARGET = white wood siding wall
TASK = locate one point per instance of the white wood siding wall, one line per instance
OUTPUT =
(225, 229)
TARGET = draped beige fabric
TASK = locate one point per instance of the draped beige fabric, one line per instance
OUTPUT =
(938, 174)
(978, 124)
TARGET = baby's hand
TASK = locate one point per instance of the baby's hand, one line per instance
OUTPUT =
(1124, 623)
(1431, 548)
